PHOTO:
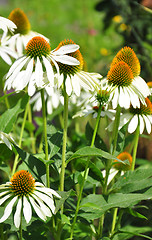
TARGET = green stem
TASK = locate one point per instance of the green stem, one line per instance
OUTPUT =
(85, 173)
(45, 138)
(6, 101)
(136, 139)
(20, 139)
(31, 133)
(114, 220)
(65, 127)
(109, 165)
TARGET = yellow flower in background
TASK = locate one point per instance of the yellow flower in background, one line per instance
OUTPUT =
(117, 18)
(104, 52)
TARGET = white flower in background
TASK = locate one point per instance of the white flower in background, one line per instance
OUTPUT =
(5, 138)
(6, 25)
(141, 117)
(23, 32)
(39, 59)
(6, 53)
(52, 97)
(74, 76)
(27, 194)
(125, 84)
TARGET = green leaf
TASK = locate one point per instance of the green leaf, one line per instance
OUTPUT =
(35, 166)
(99, 143)
(133, 181)
(135, 214)
(54, 143)
(91, 152)
(95, 205)
(8, 118)
(60, 202)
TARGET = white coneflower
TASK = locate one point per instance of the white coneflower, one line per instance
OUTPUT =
(74, 76)
(125, 84)
(141, 117)
(23, 32)
(37, 60)
(6, 53)
(23, 191)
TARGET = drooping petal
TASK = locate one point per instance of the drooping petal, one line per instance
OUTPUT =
(142, 124)
(38, 73)
(2, 200)
(37, 209)
(75, 85)
(48, 191)
(68, 85)
(49, 70)
(8, 209)
(17, 215)
(49, 201)
(27, 210)
(133, 124)
(44, 208)
(147, 123)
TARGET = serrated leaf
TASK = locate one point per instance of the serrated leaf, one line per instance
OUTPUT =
(92, 152)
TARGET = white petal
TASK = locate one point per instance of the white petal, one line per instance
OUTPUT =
(8, 210)
(2, 200)
(147, 123)
(68, 85)
(27, 210)
(49, 70)
(66, 49)
(142, 124)
(48, 200)
(48, 191)
(142, 86)
(18, 64)
(75, 85)
(133, 124)
(38, 73)
(68, 60)
(17, 215)
(43, 207)
(37, 209)
(5, 57)
(115, 98)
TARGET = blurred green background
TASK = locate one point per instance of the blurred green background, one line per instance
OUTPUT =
(101, 28)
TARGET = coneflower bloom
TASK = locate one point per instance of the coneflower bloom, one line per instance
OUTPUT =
(74, 76)
(27, 194)
(141, 117)
(119, 166)
(38, 59)
(23, 32)
(6, 25)
(126, 86)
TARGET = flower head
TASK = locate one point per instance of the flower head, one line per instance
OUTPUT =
(120, 166)
(74, 76)
(141, 116)
(125, 84)
(39, 59)
(27, 194)
(23, 32)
